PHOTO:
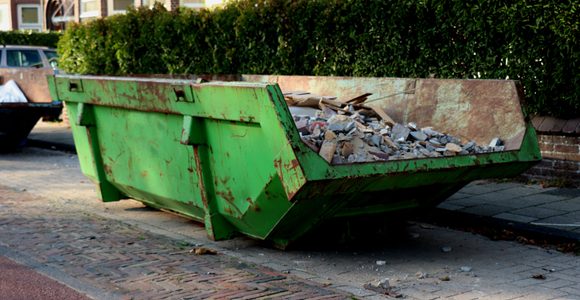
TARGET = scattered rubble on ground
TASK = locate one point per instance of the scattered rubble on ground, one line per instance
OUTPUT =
(202, 251)
(357, 131)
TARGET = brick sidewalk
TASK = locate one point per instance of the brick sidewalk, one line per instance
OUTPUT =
(135, 264)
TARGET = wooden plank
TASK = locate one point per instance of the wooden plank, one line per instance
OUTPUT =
(558, 126)
(383, 115)
(294, 93)
(390, 142)
(537, 121)
(571, 125)
(359, 99)
(310, 100)
(547, 124)
(322, 106)
(333, 102)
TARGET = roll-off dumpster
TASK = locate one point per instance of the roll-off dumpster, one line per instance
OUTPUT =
(228, 153)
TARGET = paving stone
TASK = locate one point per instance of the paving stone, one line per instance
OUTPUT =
(459, 195)
(448, 206)
(496, 197)
(566, 297)
(166, 270)
(521, 202)
(514, 217)
(574, 290)
(566, 221)
(477, 189)
(558, 283)
(542, 198)
(485, 209)
(565, 205)
(537, 212)
(524, 190)
(466, 202)
(468, 296)
(417, 293)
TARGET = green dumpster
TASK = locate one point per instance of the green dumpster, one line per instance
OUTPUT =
(227, 152)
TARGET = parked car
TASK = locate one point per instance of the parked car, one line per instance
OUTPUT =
(17, 56)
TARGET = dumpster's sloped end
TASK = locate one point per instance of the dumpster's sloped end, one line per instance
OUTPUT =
(216, 152)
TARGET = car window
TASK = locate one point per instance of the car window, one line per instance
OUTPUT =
(23, 58)
(52, 58)
(50, 54)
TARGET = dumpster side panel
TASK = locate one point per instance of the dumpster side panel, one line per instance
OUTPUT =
(478, 110)
(138, 160)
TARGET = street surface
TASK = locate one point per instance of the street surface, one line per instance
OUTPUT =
(50, 213)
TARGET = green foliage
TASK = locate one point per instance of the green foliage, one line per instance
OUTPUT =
(535, 41)
(29, 37)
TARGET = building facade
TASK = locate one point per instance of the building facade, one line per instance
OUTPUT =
(41, 15)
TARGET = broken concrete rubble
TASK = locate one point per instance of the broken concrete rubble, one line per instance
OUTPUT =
(348, 133)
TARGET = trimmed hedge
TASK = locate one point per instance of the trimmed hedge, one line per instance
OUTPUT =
(29, 37)
(537, 42)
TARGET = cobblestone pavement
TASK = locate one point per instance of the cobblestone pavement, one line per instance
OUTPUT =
(414, 264)
(135, 264)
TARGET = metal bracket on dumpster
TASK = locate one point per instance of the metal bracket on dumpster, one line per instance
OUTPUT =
(410, 86)
(75, 85)
(85, 115)
(182, 93)
(193, 131)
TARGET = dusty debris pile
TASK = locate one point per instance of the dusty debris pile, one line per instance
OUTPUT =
(348, 132)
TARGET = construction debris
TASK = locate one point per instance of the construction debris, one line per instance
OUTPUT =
(351, 132)
(202, 251)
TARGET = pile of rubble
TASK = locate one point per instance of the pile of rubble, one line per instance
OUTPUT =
(350, 131)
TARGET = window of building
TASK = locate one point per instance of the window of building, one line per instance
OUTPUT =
(23, 58)
(4, 17)
(151, 3)
(89, 8)
(195, 4)
(29, 17)
(119, 6)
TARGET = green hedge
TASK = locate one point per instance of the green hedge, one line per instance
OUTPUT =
(536, 42)
(29, 37)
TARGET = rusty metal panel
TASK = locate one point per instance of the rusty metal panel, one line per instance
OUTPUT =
(472, 110)
(31, 81)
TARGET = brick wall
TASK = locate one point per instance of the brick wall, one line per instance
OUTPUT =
(171, 4)
(559, 142)
(103, 8)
